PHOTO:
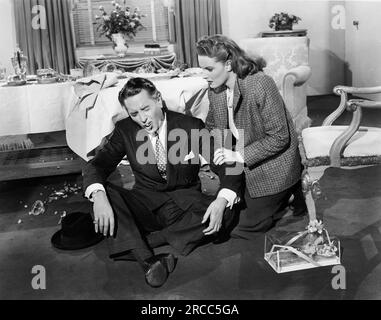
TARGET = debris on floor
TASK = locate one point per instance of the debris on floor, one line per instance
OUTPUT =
(62, 216)
(63, 193)
(38, 208)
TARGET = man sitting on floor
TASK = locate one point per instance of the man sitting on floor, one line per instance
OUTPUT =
(166, 204)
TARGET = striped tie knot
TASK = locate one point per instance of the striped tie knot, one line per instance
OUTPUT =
(161, 158)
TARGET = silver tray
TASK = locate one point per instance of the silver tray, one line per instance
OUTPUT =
(16, 83)
(47, 80)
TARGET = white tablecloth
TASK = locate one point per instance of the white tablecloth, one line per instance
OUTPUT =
(34, 108)
(51, 107)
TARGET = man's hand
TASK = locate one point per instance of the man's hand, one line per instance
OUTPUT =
(215, 213)
(103, 214)
(222, 155)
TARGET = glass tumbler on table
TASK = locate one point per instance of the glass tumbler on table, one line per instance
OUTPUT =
(3, 72)
(19, 63)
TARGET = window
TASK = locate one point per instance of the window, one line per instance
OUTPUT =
(84, 12)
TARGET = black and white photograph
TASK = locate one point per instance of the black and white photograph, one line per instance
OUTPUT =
(209, 151)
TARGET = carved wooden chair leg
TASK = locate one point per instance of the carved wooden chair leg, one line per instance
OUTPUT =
(311, 189)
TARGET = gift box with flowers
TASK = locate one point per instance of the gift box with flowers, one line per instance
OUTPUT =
(310, 248)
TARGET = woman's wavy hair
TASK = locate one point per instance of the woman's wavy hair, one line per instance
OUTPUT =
(223, 49)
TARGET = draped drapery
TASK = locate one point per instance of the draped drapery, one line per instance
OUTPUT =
(193, 19)
(44, 34)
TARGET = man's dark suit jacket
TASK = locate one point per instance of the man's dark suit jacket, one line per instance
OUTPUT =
(182, 185)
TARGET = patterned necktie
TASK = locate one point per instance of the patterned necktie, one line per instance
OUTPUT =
(160, 158)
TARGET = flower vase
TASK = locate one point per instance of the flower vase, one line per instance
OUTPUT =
(120, 45)
(283, 27)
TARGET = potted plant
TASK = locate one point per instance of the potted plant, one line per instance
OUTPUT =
(283, 21)
(118, 26)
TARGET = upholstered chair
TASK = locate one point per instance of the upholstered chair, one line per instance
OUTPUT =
(286, 60)
(343, 146)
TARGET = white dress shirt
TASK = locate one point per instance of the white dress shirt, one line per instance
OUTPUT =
(230, 196)
(230, 97)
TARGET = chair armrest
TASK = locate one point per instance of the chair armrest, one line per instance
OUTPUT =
(341, 141)
(354, 90)
(351, 104)
(294, 77)
(299, 75)
(354, 103)
(339, 110)
(355, 106)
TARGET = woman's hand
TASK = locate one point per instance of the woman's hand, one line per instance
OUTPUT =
(215, 214)
(222, 155)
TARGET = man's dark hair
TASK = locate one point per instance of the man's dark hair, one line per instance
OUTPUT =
(134, 86)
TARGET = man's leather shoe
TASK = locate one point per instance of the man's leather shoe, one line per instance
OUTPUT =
(156, 272)
(168, 260)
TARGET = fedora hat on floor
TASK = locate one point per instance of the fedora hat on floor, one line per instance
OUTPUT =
(77, 232)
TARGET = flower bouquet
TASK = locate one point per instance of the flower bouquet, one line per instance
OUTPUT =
(120, 24)
(283, 21)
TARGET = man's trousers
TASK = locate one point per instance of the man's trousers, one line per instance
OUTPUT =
(181, 229)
